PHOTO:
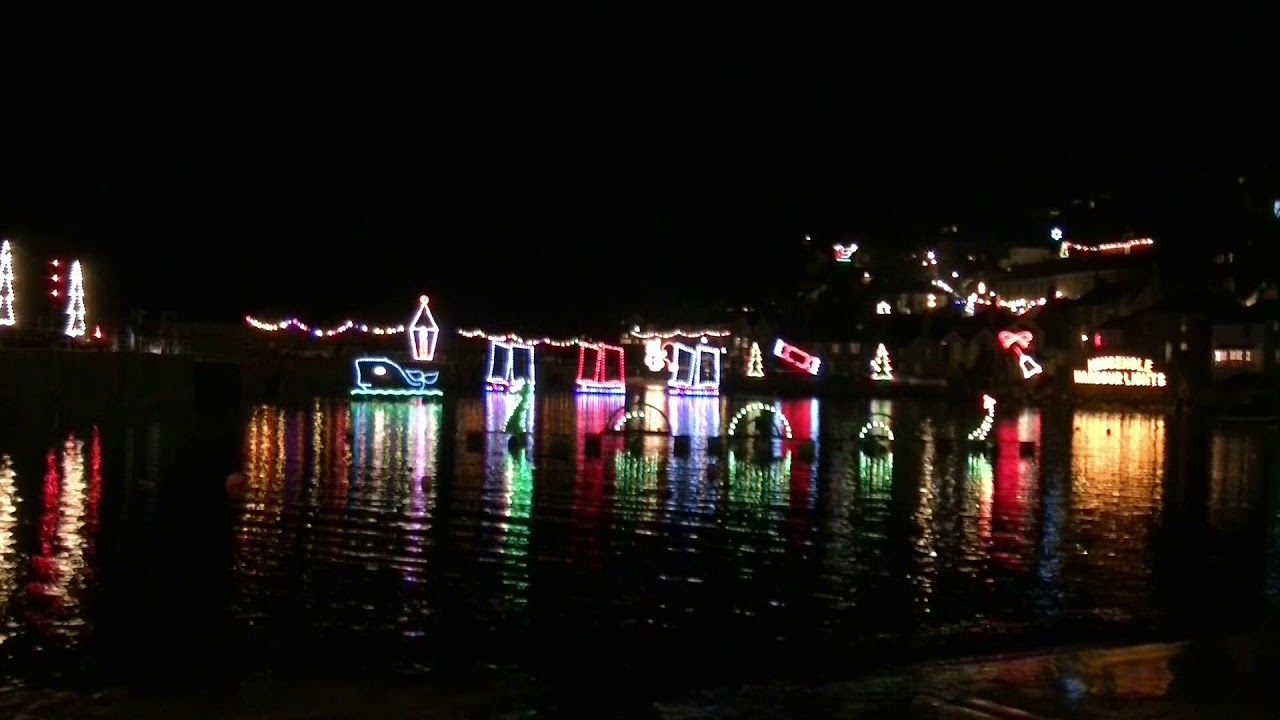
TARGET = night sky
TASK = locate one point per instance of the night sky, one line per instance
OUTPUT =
(518, 176)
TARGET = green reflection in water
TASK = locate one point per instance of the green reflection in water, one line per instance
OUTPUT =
(518, 476)
(875, 475)
(636, 481)
(757, 488)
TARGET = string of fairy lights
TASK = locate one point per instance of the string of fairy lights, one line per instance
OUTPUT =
(351, 327)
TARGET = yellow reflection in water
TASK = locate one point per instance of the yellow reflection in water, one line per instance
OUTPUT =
(1117, 462)
(8, 522)
(1116, 471)
(926, 502)
(318, 427)
(72, 518)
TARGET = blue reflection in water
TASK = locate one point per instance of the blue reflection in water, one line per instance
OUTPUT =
(1050, 566)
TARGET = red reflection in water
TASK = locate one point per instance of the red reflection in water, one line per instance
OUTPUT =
(94, 495)
(1010, 502)
(803, 416)
(587, 515)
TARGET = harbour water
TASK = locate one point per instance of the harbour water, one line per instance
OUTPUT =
(409, 540)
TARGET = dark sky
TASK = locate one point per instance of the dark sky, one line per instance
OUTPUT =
(516, 173)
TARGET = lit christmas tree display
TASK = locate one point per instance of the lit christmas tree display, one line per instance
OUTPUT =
(880, 367)
(755, 363)
(75, 302)
(7, 314)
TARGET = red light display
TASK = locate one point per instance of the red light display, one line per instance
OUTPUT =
(797, 358)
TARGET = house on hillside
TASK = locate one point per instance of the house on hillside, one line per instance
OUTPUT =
(1247, 343)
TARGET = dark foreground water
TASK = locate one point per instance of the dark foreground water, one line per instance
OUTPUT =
(384, 540)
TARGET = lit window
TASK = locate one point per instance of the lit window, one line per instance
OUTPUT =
(1233, 357)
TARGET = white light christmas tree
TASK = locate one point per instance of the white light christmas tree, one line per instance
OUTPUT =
(75, 302)
(7, 314)
(880, 367)
(755, 363)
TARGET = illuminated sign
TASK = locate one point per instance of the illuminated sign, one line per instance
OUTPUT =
(1018, 343)
(796, 357)
(882, 308)
(1117, 370)
(844, 253)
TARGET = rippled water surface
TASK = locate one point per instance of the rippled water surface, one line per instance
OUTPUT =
(390, 537)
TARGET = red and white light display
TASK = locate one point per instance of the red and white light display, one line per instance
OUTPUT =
(796, 358)
(843, 253)
(601, 368)
(1018, 343)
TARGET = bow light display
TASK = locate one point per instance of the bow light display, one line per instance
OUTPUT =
(1018, 343)
(796, 357)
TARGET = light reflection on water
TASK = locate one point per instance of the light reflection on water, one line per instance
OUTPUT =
(420, 528)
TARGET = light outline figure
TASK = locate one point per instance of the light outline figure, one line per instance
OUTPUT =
(423, 337)
(797, 358)
(8, 296)
(760, 407)
(75, 303)
(695, 384)
(418, 382)
(599, 382)
(506, 381)
(981, 432)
